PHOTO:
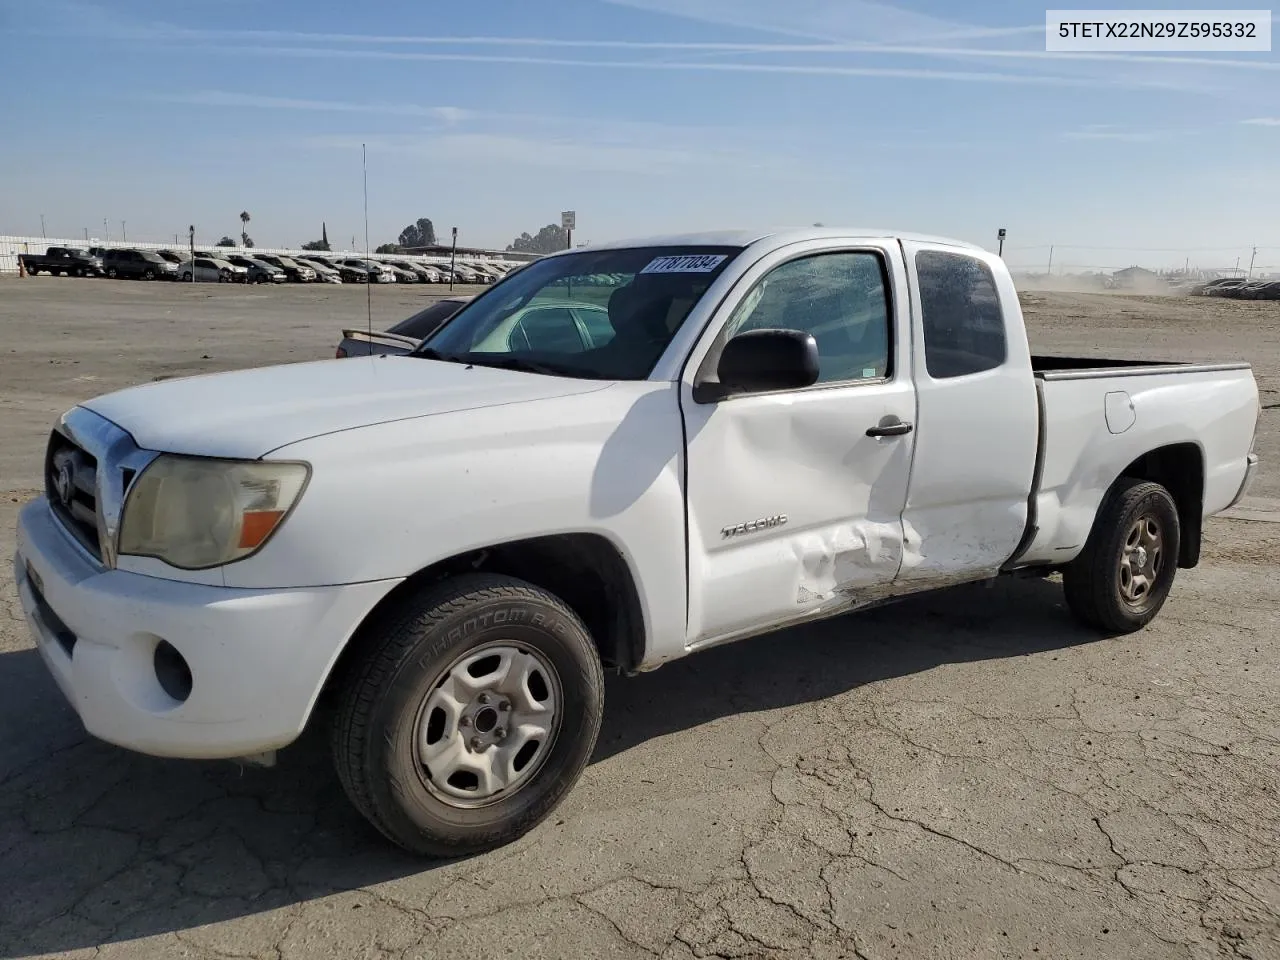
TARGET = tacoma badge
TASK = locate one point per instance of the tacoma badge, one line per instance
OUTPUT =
(752, 526)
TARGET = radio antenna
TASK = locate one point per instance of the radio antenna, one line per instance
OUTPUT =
(364, 162)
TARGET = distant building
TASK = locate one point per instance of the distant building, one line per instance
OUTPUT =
(1134, 277)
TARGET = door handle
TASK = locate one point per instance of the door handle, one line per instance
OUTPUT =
(894, 429)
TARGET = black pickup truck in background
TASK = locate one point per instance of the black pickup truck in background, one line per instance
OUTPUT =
(72, 261)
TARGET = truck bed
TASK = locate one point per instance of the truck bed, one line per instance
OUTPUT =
(1099, 417)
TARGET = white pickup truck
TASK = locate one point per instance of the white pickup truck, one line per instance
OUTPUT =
(452, 545)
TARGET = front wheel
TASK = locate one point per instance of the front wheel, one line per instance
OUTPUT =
(469, 715)
(111, 272)
(1122, 578)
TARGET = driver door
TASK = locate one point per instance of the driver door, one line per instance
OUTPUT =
(794, 511)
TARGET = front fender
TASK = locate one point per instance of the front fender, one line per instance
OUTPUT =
(389, 500)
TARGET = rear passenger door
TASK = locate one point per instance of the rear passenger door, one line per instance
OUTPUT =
(977, 418)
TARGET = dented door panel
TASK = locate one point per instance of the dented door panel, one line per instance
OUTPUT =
(805, 458)
(794, 512)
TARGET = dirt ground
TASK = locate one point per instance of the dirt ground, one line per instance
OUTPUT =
(967, 774)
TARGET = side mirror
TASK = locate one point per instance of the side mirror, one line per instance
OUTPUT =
(760, 361)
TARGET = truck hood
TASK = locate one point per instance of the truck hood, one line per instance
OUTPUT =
(248, 413)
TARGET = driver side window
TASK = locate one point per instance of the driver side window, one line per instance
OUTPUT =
(838, 298)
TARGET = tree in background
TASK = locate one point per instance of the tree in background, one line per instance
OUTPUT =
(225, 242)
(244, 229)
(389, 248)
(419, 234)
(549, 239)
(321, 246)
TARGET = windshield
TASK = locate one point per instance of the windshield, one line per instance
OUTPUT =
(606, 314)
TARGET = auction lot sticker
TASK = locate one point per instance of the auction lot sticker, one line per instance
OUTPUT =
(689, 263)
(1154, 31)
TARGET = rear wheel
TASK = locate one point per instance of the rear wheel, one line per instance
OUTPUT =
(1122, 578)
(470, 714)
(186, 275)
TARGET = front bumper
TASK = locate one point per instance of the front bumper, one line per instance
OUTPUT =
(257, 658)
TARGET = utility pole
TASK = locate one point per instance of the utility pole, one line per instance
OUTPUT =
(1251, 259)
(1051, 260)
(43, 235)
(123, 233)
(191, 239)
(453, 257)
(106, 230)
(1000, 238)
(86, 234)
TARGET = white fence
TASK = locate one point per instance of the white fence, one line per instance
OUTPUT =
(10, 247)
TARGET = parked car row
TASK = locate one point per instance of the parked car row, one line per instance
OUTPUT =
(1239, 288)
(223, 266)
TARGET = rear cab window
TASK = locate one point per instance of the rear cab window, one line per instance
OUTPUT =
(964, 329)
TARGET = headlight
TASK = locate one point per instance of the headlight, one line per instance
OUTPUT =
(196, 513)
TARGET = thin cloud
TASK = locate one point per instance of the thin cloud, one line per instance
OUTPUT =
(1263, 122)
(900, 73)
(683, 152)
(222, 98)
(1110, 132)
(816, 19)
(89, 20)
(680, 46)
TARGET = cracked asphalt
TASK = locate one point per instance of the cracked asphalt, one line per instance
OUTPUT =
(965, 774)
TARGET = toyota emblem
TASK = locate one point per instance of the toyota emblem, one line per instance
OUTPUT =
(64, 482)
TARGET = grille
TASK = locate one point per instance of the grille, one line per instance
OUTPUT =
(71, 486)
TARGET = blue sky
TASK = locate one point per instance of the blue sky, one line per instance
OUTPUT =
(643, 115)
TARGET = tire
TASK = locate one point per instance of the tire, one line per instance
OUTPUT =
(186, 276)
(392, 691)
(149, 274)
(111, 272)
(1113, 586)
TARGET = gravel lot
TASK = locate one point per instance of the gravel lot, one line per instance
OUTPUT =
(967, 774)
